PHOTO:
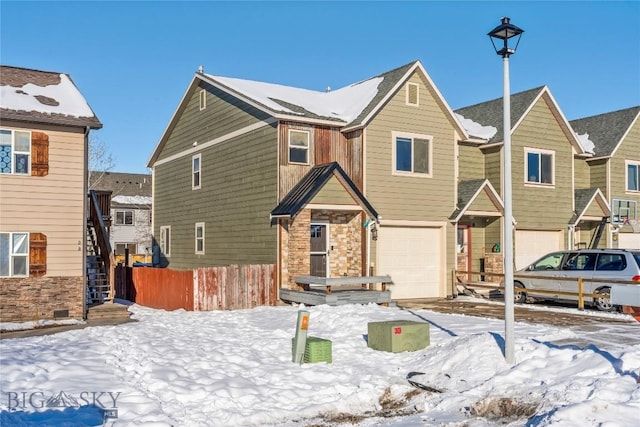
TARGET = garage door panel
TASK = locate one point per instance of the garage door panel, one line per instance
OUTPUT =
(533, 244)
(629, 240)
(411, 256)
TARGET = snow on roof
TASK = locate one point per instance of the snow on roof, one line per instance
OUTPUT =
(132, 200)
(62, 98)
(344, 104)
(476, 129)
(587, 145)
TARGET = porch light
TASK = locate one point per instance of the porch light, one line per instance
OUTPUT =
(374, 232)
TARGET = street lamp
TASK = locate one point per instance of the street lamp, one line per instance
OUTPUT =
(505, 32)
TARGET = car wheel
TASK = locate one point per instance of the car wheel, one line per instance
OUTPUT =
(603, 304)
(519, 296)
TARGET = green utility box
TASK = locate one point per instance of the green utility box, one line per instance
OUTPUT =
(398, 335)
(316, 350)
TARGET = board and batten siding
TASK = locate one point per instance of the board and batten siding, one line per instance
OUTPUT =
(222, 115)
(542, 206)
(629, 149)
(326, 144)
(51, 204)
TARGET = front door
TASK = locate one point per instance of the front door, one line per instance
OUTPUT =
(319, 253)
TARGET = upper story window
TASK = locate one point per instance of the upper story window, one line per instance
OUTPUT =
(14, 254)
(15, 152)
(124, 217)
(413, 91)
(539, 166)
(412, 154)
(633, 176)
(165, 240)
(196, 164)
(199, 238)
(299, 146)
(203, 99)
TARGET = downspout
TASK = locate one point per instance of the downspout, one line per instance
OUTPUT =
(84, 221)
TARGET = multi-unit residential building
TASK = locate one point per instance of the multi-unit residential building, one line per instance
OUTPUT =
(380, 177)
(44, 126)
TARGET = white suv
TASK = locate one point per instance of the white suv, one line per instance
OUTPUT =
(559, 271)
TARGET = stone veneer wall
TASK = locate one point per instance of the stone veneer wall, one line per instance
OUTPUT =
(345, 235)
(31, 299)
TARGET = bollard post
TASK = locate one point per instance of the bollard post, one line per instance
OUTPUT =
(300, 340)
(580, 294)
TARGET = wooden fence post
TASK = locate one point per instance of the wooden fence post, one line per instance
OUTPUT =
(580, 294)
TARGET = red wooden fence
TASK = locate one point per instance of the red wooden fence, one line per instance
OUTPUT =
(203, 289)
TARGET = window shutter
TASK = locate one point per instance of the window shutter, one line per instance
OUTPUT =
(39, 154)
(37, 254)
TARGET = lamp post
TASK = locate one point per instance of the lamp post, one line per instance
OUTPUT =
(503, 33)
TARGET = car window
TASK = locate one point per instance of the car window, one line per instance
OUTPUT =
(549, 262)
(636, 256)
(580, 262)
(611, 262)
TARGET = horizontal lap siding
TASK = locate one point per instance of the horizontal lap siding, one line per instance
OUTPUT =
(493, 167)
(541, 206)
(471, 163)
(598, 176)
(411, 198)
(629, 149)
(581, 178)
(239, 188)
(51, 204)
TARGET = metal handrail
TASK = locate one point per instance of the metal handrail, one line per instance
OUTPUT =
(102, 235)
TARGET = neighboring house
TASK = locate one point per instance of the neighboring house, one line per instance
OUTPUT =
(615, 167)
(550, 210)
(337, 183)
(130, 212)
(44, 126)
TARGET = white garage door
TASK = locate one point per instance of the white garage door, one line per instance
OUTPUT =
(412, 257)
(532, 244)
(629, 240)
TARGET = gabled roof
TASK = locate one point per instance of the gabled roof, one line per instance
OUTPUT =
(468, 192)
(43, 97)
(349, 108)
(481, 117)
(305, 190)
(583, 200)
(607, 130)
(127, 189)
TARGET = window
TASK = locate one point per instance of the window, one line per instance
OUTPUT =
(412, 94)
(539, 168)
(550, 262)
(195, 171)
(120, 248)
(14, 254)
(412, 154)
(203, 99)
(298, 146)
(633, 176)
(611, 262)
(165, 240)
(15, 152)
(580, 262)
(124, 217)
(200, 238)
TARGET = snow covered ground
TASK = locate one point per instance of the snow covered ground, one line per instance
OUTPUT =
(234, 368)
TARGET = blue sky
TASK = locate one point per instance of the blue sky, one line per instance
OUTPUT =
(134, 60)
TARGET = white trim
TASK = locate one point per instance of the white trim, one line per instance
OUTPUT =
(12, 254)
(407, 91)
(216, 141)
(203, 99)
(166, 249)
(628, 163)
(364, 164)
(289, 147)
(539, 151)
(12, 133)
(199, 224)
(199, 172)
(332, 207)
(410, 223)
(412, 136)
